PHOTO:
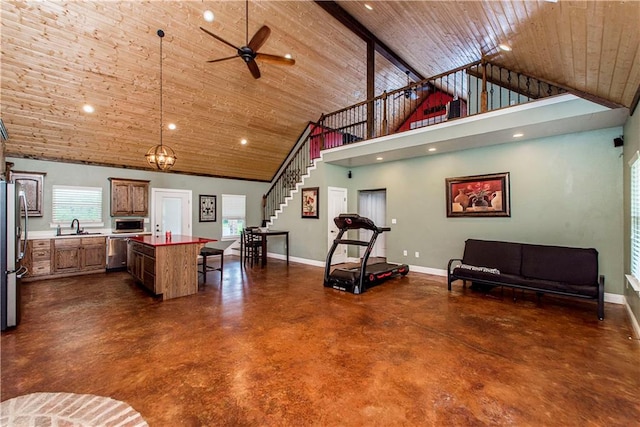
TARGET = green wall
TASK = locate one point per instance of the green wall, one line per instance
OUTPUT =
(631, 146)
(565, 190)
(95, 176)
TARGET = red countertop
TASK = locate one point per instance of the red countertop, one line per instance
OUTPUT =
(176, 239)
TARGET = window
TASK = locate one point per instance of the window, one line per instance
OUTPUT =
(233, 215)
(635, 216)
(82, 203)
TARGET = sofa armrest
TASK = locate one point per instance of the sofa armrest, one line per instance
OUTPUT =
(449, 270)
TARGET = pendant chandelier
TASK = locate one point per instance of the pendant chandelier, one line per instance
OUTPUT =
(161, 156)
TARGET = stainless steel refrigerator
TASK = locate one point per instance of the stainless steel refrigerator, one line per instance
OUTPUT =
(13, 243)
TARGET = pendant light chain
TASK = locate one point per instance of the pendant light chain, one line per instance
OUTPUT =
(161, 34)
(161, 156)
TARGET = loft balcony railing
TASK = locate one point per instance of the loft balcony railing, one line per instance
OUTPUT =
(473, 89)
(476, 88)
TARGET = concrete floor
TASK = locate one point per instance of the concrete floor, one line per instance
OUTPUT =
(273, 347)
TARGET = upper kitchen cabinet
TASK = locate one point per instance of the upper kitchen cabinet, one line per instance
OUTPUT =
(129, 197)
(32, 184)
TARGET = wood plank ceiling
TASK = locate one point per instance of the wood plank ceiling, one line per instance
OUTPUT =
(59, 55)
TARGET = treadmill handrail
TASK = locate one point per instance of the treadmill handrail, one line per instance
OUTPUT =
(352, 242)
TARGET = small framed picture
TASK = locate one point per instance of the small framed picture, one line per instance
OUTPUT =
(310, 202)
(207, 208)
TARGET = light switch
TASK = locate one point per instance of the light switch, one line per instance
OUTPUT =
(393, 221)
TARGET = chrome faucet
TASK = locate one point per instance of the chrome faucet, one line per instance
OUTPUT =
(77, 223)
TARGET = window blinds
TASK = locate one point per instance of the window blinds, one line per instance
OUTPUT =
(635, 218)
(82, 203)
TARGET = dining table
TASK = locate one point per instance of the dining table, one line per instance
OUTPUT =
(264, 235)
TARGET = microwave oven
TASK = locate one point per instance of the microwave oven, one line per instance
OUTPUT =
(129, 225)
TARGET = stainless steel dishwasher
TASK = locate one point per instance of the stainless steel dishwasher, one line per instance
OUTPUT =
(116, 253)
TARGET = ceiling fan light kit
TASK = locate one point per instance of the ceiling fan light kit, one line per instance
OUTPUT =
(249, 52)
(162, 157)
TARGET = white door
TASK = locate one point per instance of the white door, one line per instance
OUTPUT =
(171, 211)
(373, 205)
(336, 204)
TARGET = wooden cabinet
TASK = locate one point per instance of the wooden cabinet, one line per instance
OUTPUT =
(38, 257)
(48, 258)
(66, 255)
(167, 269)
(79, 254)
(129, 197)
(93, 253)
(141, 264)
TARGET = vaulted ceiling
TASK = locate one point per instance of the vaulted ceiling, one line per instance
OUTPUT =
(60, 55)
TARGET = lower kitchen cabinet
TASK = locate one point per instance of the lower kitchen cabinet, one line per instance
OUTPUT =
(93, 253)
(141, 264)
(38, 257)
(66, 255)
(47, 258)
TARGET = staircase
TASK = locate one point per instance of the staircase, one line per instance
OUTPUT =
(291, 174)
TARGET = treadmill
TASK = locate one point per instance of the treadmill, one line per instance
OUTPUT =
(358, 279)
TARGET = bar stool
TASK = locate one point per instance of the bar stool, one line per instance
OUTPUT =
(207, 252)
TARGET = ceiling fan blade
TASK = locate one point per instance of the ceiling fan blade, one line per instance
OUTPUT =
(218, 38)
(275, 59)
(253, 67)
(223, 59)
(259, 38)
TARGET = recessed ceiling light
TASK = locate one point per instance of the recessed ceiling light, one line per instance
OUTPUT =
(368, 6)
(518, 135)
(288, 56)
(88, 108)
(432, 149)
(505, 47)
(379, 158)
(243, 141)
(208, 16)
(172, 126)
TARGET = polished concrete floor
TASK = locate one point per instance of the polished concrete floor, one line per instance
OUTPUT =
(273, 347)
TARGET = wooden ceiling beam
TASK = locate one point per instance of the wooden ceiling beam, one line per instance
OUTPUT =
(361, 31)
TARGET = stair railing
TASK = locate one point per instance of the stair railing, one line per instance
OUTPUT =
(297, 163)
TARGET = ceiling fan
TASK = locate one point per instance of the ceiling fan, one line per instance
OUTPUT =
(249, 52)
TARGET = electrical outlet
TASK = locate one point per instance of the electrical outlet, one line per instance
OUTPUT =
(417, 254)
(404, 253)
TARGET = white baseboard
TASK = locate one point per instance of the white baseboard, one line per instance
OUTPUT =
(608, 297)
(297, 259)
(633, 320)
(614, 298)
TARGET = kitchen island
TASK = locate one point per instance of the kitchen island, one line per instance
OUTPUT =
(166, 266)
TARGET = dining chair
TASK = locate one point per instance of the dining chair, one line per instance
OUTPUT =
(252, 246)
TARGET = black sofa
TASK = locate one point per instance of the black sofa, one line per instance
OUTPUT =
(543, 269)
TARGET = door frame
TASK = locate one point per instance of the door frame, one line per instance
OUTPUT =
(187, 211)
(343, 254)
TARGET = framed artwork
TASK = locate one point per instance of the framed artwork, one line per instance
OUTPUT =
(32, 183)
(479, 195)
(310, 202)
(207, 208)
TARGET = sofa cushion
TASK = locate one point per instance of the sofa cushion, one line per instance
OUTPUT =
(560, 264)
(504, 256)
